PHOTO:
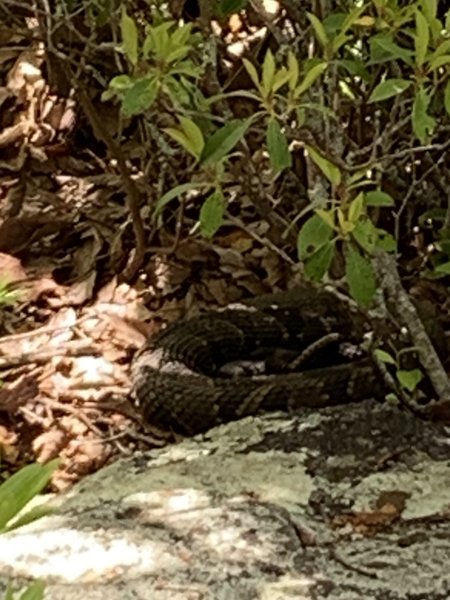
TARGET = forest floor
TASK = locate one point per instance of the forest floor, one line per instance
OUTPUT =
(70, 320)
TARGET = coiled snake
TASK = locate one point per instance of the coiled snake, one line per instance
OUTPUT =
(178, 380)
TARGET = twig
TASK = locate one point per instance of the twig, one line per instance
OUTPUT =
(73, 348)
(349, 565)
(153, 442)
(132, 192)
(258, 238)
(400, 304)
(71, 410)
(404, 399)
(44, 330)
(158, 436)
(412, 189)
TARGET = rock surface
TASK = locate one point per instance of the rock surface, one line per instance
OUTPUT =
(347, 502)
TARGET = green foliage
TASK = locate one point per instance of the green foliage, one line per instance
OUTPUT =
(360, 276)
(368, 59)
(388, 89)
(35, 591)
(8, 295)
(211, 213)
(330, 170)
(189, 135)
(408, 379)
(350, 224)
(314, 235)
(278, 147)
(17, 491)
(176, 192)
(222, 141)
(159, 66)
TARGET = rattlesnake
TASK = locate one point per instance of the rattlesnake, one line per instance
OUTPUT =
(177, 380)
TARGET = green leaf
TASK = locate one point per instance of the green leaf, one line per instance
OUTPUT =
(423, 124)
(253, 73)
(9, 593)
(388, 88)
(191, 137)
(223, 141)
(293, 69)
(182, 139)
(383, 49)
(181, 35)
(345, 226)
(317, 265)
(438, 61)
(392, 399)
(281, 77)
(386, 241)
(158, 40)
(211, 214)
(330, 170)
(379, 198)
(177, 54)
(108, 94)
(447, 95)
(147, 47)
(129, 37)
(140, 97)
(121, 82)
(174, 193)
(366, 234)
(442, 48)
(443, 268)
(421, 39)
(177, 90)
(385, 357)
(23, 486)
(278, 147)
(35, 591)
(360, 276)
(328, 216)
(319, 30)
(429, 8)
(193, 133)
(268, 72)
(354, 67)
(186, 68)
(9, 295)
(31, 515)
(350, 19)
(356, 208)
(409, 379)
(346, 90)
(358, 178)
(314, 234)
(310, 77)
(229, 7)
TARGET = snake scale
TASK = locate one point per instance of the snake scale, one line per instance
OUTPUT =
(178, 383)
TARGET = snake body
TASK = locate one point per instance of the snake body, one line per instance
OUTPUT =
(177, 380)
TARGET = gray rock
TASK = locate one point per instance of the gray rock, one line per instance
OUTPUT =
(350, 503)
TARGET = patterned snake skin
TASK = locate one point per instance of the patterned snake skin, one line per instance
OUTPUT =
(179, 386)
